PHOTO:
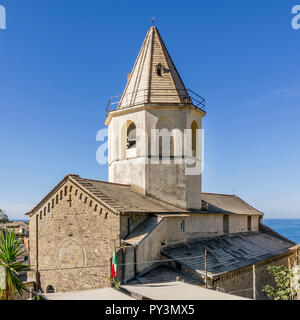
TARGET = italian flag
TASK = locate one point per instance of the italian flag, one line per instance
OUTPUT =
(114, 265)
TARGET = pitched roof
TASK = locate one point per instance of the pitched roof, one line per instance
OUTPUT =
(229, 252)
(144, 85)
(225, 203)
(119, 198)
(122, 198)
(125, 199)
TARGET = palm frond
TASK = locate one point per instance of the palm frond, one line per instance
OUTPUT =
(11, 252)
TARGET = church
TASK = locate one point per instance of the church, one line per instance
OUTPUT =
(152, 209)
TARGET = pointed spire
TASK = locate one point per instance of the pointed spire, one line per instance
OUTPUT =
(154, 78)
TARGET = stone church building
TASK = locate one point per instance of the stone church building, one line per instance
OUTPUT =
(152, 209)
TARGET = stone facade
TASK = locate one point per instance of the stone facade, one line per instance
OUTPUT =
(72, 240)
(240, 281)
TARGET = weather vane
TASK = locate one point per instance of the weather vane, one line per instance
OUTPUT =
(153, 19)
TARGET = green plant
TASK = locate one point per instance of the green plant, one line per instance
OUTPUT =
(11, 251)
(36, 297)
(283, 289)
(115, 284)
(3, 216)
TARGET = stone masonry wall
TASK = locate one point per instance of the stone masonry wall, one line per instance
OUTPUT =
(240, 281)
(76, 238)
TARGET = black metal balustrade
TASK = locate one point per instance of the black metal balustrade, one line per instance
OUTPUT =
(153, 96)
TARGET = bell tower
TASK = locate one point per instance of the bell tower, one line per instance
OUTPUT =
(153, 138)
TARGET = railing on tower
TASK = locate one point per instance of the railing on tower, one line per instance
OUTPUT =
(159, 96)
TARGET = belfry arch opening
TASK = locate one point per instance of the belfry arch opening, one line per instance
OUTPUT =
(131, 136)
(129, 140)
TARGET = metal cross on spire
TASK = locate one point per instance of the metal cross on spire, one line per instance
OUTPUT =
(153, 19)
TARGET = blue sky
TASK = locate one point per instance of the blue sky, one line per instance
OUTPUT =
(61, 60)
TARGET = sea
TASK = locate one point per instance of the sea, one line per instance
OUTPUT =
(289, 228)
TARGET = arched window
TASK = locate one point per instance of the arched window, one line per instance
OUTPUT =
(131, 136)
(61, 195)
(56, 200)
(66, 190)
(50, 289)
(194, 128)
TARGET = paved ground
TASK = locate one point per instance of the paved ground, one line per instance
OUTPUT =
(95, 294)
(177, 290)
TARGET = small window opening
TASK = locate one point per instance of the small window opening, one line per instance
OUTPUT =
(50, 289)
(163, 243)
(182, 226)
(159, 70)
